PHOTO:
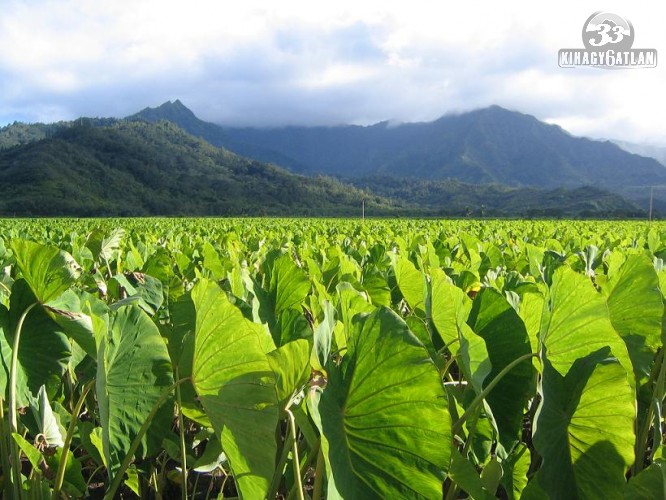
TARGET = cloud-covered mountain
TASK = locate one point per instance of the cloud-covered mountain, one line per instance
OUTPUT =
(490, 145)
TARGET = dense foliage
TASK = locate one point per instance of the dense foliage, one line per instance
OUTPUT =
(308, 358)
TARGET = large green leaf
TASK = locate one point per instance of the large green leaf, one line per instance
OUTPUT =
(67, 311)
(493, 318)
(44, 350)
(376, 286)
(160, 265)
(291, 325)
(576, 323)
(212, 262)
(133, 369)
(280, 306)
(105, 247)
(636, 308)
(236, 386)
(530, 311)
(584, 428)
(288, 285)
(412, 283)
(450, 310)
(648, 484)
(47, 273)
(450, 307)
(47, 270)
(291, 366)
(383, 417)
(351, 303)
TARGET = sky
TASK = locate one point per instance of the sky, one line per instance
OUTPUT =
(275, 63)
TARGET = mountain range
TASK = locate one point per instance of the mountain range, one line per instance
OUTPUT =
(489, 145)
(166, 161)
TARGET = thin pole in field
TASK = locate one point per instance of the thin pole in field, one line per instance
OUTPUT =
(363, 209)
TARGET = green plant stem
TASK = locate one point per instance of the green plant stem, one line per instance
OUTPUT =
(183, 451)
(108, 268)
(152, 480)
(277, 477)
(71, 385)
(3, 448)
(296, 461)
(479, 399)
(224, 482)
(92, 475)
(15, 457)
(196, 483)
(160, 479)
(658, 392)
(211, 484)
(60, 475)
(118, 478)
(452, 492)
(319, 476)
(447, 367)
(447, 346)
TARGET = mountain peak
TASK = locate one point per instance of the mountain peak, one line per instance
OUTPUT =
(177, 104)
(497, 110)
(493, 111)
(174, 111)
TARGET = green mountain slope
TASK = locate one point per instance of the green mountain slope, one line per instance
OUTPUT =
(137, 168)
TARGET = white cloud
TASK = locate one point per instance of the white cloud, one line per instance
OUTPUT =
(265, 62)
